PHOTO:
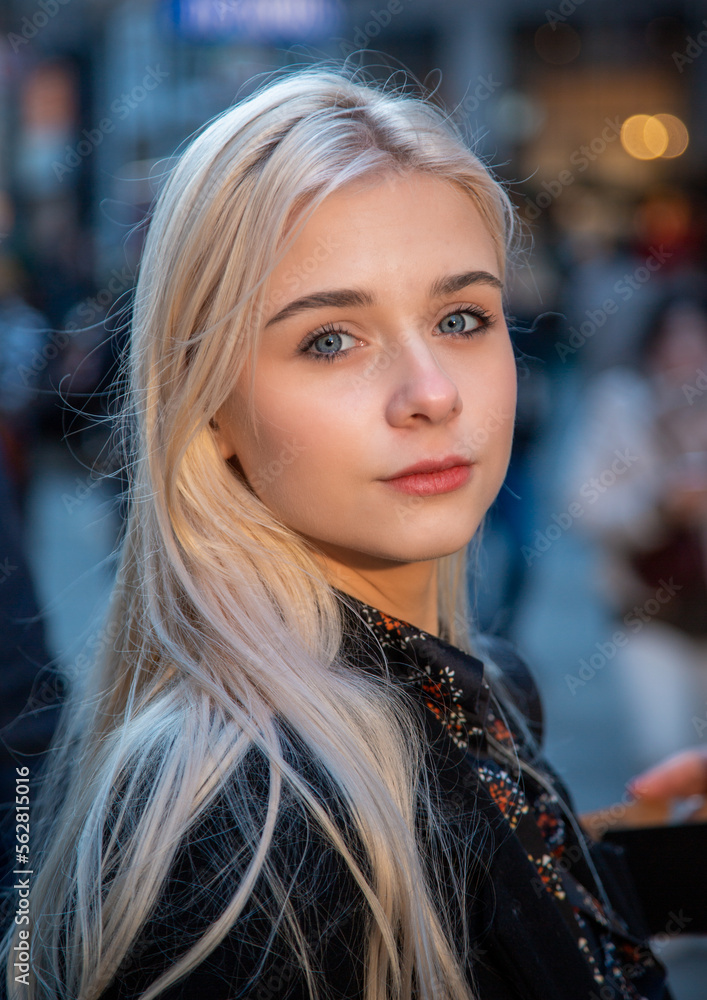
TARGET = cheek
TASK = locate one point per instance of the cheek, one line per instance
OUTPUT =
(289, 462)
(489, 396)
(507, 400)
(504, 405)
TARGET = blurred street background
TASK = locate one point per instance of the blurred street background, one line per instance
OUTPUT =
(594, 556)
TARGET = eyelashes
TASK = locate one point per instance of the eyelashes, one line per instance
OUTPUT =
(485, 317)
(333, 334)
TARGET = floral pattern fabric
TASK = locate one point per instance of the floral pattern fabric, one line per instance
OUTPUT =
(452, 686)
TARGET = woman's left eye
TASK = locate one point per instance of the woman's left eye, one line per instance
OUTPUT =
(464, 321)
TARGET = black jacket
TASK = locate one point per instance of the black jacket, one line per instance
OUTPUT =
(536, 931)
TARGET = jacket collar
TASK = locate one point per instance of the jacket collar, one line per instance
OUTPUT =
(450, 681)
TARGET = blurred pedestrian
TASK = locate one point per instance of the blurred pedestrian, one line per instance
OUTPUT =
(640, 455)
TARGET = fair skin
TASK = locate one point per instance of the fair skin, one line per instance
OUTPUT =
(351, 391)
(681, 775)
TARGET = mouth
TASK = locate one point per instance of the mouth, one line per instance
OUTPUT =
(432, 477)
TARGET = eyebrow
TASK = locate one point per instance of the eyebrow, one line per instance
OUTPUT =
(343, 297)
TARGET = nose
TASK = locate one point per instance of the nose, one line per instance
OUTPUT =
(422, 389)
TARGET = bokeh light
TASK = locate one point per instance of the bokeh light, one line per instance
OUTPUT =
(678, 137)
(646, 137)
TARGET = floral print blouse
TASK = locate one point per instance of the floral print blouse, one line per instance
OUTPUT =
(453, 687)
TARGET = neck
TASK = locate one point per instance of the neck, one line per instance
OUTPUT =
(402, 590)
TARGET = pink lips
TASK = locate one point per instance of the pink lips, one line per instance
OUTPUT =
(426, 479)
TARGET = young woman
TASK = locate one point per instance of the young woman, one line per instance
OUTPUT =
(294, 772)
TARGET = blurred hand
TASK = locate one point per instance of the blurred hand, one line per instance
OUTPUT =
(686, 505)
(679, 776)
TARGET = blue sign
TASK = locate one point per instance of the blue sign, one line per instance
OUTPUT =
(286, 21)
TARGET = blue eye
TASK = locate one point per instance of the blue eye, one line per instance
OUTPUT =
(457, 322)
(329, 343)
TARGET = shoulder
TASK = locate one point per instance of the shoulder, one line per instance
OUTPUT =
(217, 861)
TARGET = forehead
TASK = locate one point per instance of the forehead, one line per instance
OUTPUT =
(380, 223)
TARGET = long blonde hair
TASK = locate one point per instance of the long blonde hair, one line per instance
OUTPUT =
(222, 626)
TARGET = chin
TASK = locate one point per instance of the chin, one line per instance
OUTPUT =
(426, 554)
(424, 547)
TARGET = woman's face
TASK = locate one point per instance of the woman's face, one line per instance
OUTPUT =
(384, 349)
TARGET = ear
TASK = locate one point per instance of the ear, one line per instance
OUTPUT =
(223, 439)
